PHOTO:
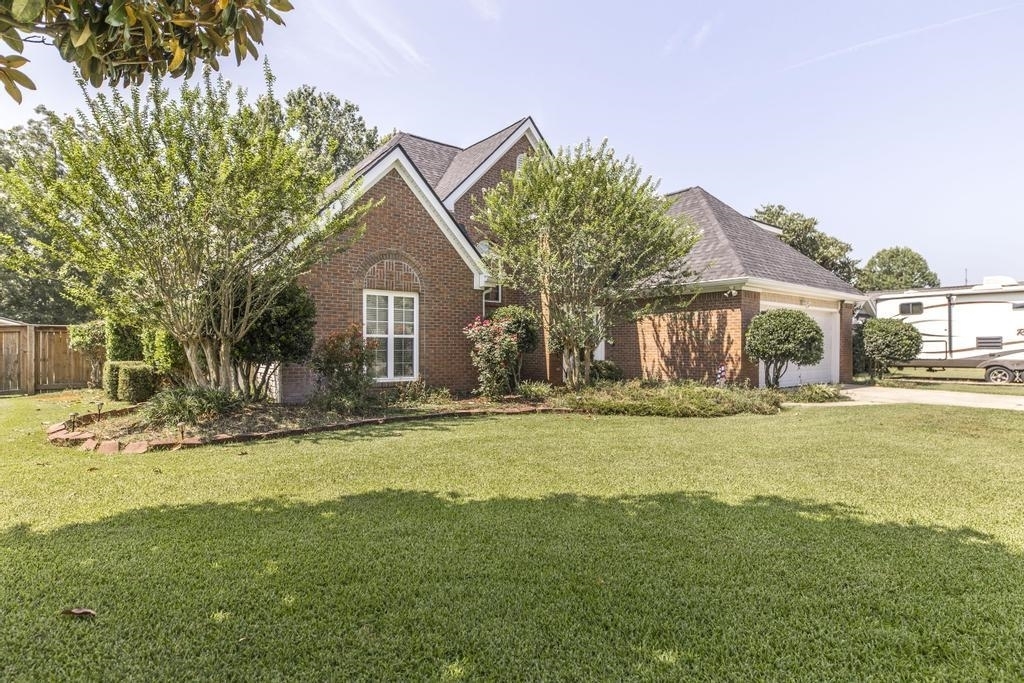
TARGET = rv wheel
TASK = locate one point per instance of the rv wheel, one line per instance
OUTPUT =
(998, 375)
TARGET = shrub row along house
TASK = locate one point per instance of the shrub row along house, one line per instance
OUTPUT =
(416, 278)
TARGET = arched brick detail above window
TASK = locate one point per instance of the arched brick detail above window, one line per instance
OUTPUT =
(392, 275)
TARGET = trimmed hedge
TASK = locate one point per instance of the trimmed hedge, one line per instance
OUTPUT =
(136, 382)
(111, 370)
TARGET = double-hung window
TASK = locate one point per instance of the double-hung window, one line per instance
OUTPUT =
(391, 321)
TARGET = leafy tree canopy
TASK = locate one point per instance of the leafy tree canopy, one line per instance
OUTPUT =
(590, 238)
(896, 268)
(188, 214)
(30, 283)
(120, 41)
(801, 232)
(333, 129)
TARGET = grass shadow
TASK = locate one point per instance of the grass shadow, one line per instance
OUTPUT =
(415, 585)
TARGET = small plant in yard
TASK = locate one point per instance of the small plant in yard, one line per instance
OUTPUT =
(605, 370)
(419, 395)
(782, 336)
(495, 352)
(888, 342)
(535, 391)
(815, 393)
(190, 405)
(342, 363)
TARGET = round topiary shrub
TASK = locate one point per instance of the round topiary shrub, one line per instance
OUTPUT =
(782, 336)
(888, 342)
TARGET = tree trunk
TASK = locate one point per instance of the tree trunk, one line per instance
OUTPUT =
(192, 350)
(227, 370)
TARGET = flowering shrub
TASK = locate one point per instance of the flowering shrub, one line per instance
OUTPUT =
(495, 354)
(341, 362)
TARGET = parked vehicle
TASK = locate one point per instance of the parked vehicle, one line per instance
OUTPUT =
(973, 326)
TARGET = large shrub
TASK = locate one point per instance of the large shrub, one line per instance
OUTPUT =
(888, 342)
(136, 382)
(782, 336)
(605, 370)
(123, 342)
(283, 334)
(522, 322)
(164, 354)
(90, 339)
(495, 353)
(341, 363)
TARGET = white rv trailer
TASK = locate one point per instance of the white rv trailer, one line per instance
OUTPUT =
(973, 326)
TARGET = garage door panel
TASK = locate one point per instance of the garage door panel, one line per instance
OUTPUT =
(825, 372)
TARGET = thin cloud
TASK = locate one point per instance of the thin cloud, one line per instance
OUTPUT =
(695, 40)
(899, 36)
(367, 40)
(488, 10)
(698, 39)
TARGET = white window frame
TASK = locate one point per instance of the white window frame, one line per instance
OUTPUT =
(492, 295)
(390, 336)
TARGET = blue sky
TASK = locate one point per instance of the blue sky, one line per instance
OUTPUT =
(894, 123)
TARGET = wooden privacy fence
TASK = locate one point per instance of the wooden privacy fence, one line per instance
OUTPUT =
(37, 358)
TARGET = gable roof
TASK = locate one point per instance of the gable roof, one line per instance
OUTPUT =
(734, 247)
(445, 167)
(469, 159)
(430, 157)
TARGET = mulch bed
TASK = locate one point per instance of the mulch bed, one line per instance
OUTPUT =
(121, 431)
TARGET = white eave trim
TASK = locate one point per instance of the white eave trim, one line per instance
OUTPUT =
(527, 128)
(762, 285)
(398, 160)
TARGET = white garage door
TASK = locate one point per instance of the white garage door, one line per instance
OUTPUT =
(825, 372)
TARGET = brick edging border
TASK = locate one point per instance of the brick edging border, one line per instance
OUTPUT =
(61, 434)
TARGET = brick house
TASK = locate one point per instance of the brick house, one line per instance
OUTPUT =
(742, 268)
(415, 278)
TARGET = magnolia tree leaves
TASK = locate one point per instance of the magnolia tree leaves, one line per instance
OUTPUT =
(121, 41)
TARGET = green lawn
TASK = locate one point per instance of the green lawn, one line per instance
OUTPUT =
(970, 380)
(848, 543)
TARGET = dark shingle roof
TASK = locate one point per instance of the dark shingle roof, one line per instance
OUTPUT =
(469, 159)
(430, 157)
(733, 246)
(444, 167)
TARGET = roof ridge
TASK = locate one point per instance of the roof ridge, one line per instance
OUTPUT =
(426, 139)
(497, 132)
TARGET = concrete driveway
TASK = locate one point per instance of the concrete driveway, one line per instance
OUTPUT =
(882, 395)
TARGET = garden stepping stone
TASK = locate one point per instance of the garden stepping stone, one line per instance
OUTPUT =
(109, 448)
(162, 444)
(89, 445)
(136, 448)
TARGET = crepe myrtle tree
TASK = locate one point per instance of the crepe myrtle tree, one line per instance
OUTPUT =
(782, 336)
(590, 238)
(120, 41)
(189, 214)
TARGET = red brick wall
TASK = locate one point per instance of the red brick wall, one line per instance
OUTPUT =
(690, 343)
(464, 208)
(402, 249)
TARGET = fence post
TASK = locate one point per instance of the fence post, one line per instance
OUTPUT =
(30, 370)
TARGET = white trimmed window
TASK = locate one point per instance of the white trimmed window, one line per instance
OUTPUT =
(391, 319)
